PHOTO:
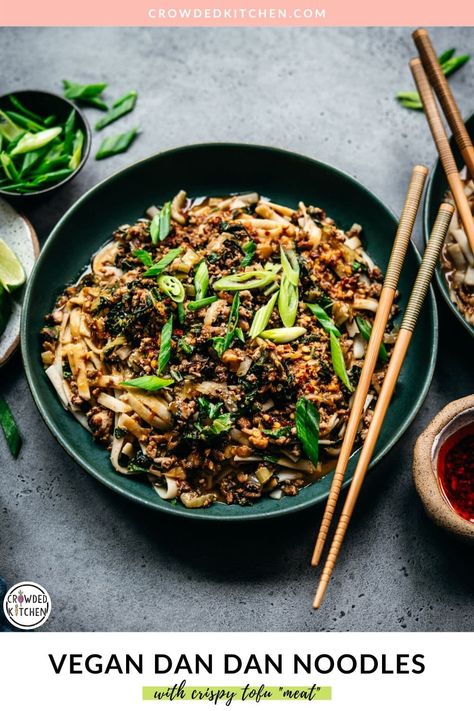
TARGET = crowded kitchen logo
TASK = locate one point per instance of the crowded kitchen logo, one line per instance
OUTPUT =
(27, 605)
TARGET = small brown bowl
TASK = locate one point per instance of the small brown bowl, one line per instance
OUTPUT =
(458, 414)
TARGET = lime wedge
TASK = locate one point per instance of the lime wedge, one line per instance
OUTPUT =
(12, 275)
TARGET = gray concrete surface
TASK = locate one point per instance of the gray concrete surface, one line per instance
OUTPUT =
(109, 565)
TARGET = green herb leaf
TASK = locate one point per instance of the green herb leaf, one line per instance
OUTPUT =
(288, 300)
(165, 345)
(280, 432)
(160, 266)
(201, 280)
(307, 428)
(185, 346)
(326, 322)
(283, 335)
(172, 287)
(113, 145)
(121, 107)
(10, 428)
(149, 382)
(249, 249)
(262, 317)
(201, 303)
(365, 330)
(245, 280)
(338, 362)
(144, 256)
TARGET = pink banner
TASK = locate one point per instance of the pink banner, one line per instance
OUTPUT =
(236, 13)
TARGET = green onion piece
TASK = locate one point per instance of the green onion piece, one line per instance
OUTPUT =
(249, 249)
(181, 313)
(222, 343)
(165, 345)
(338, 362)
(22, 109)
(77, 147)
(69, 132)
(156, 269)
(185, 346)
(172, 287)
(326, 322)
(149, 382)
(201, 280)
(365, 330)
(290, 266)
(113, 145)
(121, 107)
(143, 256)
(201, 303)
(8, 130)
(9, 167)
(307, 428)
(452, 65)
(283, 335)
(288, 300)
(87, 93)
(245, 280)
(10, 428)
(34, 141)
(165, 221)
(262, 317)
(444, 56)
(155, 228)
(24, 122)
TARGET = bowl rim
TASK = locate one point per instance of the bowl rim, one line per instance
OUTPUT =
(203, 514)
(85, 154)
(442, 286)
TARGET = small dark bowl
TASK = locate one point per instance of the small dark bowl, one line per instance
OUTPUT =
(44, 104)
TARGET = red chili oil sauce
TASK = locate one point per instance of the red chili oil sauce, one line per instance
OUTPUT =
(456, 471)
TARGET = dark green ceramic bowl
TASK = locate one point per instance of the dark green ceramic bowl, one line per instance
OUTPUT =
(436, 190)
(213, 169)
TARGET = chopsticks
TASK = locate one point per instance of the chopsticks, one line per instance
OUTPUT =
(400, 245)
(417, 296)
(444, 149)
(443, 91)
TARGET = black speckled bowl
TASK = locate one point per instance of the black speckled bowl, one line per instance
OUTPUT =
(44, 103)
(216, 169)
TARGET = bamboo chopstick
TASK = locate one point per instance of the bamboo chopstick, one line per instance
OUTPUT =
(443, 91)
(417, 296)
(400, 245)
(444, 149)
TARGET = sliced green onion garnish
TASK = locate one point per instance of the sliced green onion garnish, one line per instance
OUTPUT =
(288, 300)
(262, 317)
(161, 224)
(326, 322)
(149, 382)
(156, 269)
(245, 280)
(172, 287)
(290, 266)
(121, 107)
(283, 335)
(201, 303)
(338, 362)
(365, 331)
(165, 345)
(201, 280)
(118, 143)
(34, 141)
(10, 428)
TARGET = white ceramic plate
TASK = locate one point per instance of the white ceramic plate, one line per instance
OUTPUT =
(18, 233)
